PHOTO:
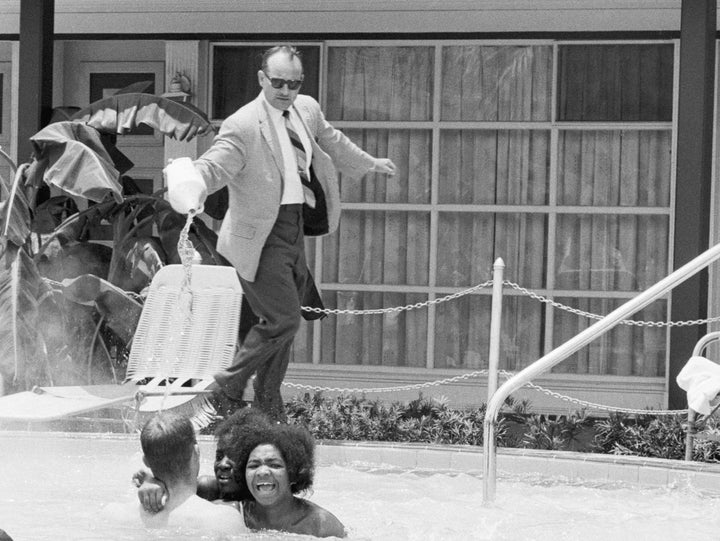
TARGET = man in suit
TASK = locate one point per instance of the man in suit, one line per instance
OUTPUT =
(279, 158)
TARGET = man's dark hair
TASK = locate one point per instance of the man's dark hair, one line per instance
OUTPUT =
(168, 441)
(289, 50)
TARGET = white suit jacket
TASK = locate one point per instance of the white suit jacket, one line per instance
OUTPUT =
(245, 156)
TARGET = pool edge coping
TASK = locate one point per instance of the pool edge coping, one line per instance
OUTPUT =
(511, 462)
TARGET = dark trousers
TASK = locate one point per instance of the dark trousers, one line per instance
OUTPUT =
(275, 297)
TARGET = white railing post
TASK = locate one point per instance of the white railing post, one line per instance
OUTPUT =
(493, 362)
(495, 325)
(563, 351)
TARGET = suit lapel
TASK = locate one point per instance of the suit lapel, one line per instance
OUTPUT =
(310, 135)
(268, 132)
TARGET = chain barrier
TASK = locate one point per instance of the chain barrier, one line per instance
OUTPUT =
(592, 405)
(540, 298)
(583, 404)
(590, 315)
(408, 387)
(397, 308)
(516, 287)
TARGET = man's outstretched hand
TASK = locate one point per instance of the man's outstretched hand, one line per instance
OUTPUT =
(384, 165)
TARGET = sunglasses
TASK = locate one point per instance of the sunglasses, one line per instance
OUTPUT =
(278, 83)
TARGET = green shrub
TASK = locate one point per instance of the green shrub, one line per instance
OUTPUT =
(560, 434)
(428, 420)
(360, 419)
(643, 435)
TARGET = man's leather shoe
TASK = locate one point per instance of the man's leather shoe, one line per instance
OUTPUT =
(224, 405)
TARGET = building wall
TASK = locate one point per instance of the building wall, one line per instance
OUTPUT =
(236, 20)
(289, 17)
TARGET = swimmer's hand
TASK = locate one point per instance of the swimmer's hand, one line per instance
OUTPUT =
(139, 476)
(152, 494)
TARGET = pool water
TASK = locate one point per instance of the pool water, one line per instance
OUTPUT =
(53, 487)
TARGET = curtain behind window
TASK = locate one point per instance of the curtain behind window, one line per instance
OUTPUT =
(500, 168)
(381, 247)
(600, 257)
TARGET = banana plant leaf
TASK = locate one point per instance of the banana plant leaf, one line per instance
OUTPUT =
(62, 260)
(14, 211)
(119, 309)
(20, 337)
(5, 157)
(138, 260)
(53, 212)
(71, 156)
(121, 113)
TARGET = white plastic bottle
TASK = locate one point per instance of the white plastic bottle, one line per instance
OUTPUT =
(186, 189)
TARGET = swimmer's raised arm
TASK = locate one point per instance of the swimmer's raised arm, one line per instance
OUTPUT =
(152, 492)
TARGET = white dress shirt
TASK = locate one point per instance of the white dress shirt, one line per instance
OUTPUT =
(292, 187)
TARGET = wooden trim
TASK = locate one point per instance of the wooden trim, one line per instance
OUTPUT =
(498, 208)
(284, 17)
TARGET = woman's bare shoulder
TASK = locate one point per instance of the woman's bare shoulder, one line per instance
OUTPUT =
(322, 522)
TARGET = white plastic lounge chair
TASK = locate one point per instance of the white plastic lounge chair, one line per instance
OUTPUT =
(181, 340)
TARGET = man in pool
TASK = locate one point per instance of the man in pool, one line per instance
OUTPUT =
(170, 450)
(269, 466)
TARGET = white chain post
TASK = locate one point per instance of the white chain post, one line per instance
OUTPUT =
(495, 324)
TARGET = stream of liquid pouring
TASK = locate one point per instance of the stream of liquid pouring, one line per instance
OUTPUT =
(182, 322)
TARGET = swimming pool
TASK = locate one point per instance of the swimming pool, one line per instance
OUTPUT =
(52, 486)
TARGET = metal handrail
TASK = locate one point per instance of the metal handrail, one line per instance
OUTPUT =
(563, 351)
(705, 342)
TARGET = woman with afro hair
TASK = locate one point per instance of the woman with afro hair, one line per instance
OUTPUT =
(275, 466)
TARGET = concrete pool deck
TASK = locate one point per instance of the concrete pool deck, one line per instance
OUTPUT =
(565, 466)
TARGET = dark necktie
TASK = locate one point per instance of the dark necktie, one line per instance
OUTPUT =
(301, 159)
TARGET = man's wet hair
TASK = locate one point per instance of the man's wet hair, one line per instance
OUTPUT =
(168, 442)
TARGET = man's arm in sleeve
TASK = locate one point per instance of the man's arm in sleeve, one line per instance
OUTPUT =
(224, 160)
(349, 158)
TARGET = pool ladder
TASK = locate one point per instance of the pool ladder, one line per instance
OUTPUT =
(562, 352)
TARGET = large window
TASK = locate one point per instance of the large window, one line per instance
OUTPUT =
(555, 157)
(235, 75)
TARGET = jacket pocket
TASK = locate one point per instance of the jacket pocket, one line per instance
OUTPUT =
(245, 231)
